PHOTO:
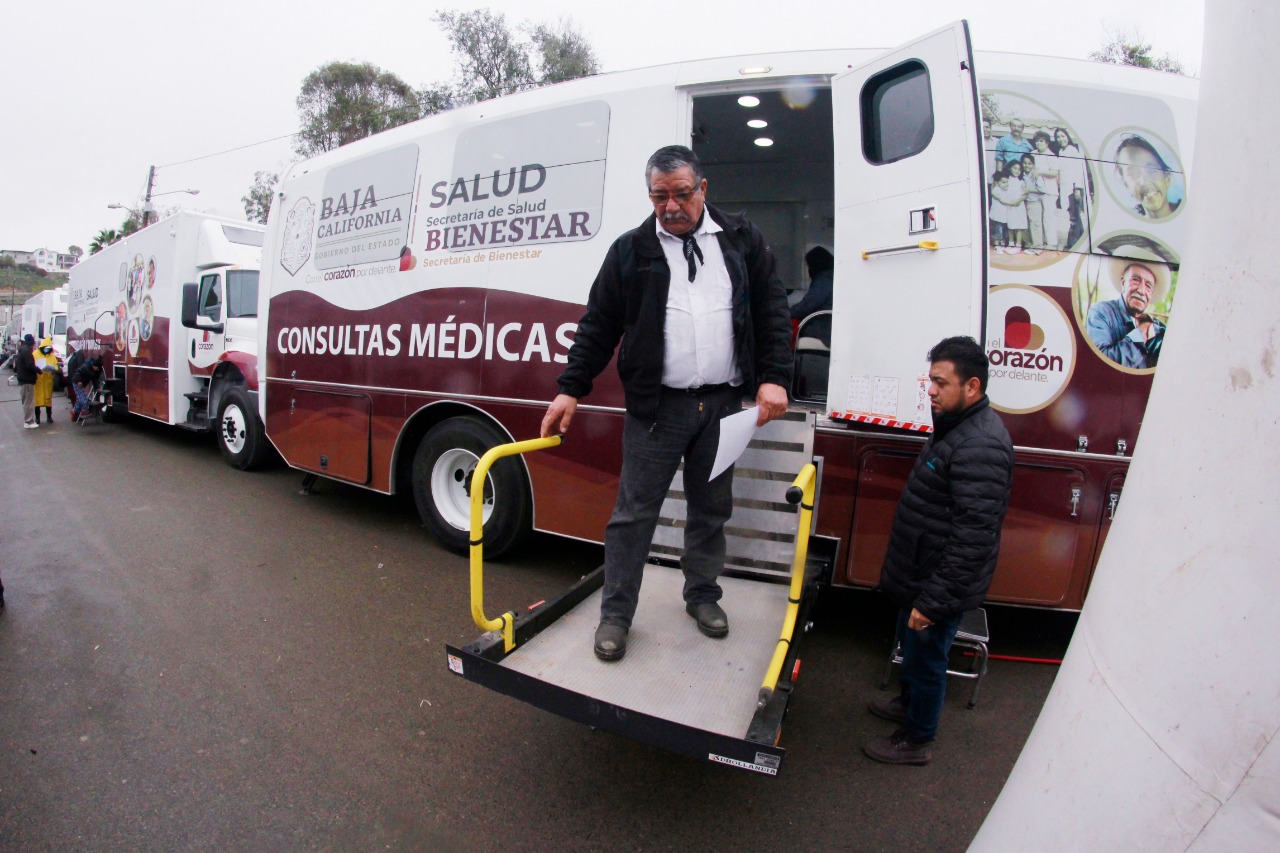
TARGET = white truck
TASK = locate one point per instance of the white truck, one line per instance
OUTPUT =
(45, 315)
(172, 311)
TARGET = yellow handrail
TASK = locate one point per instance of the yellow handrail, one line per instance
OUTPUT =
(922, 246)
(506, 622)
(802, 489)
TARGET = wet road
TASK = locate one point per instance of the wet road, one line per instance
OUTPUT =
(198, 658)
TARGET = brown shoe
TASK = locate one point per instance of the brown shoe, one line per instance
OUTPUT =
(891, 708)
(897, 748)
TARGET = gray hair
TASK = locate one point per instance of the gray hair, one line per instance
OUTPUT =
(671, 158)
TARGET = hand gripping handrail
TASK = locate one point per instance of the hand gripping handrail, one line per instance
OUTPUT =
(506, 622)
(801, 492)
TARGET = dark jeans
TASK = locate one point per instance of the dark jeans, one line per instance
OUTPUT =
(924, 672)
(688, 428)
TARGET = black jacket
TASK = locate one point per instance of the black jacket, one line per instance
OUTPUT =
(87, 373)
(628, 304)
(946, 532)
(24, 366)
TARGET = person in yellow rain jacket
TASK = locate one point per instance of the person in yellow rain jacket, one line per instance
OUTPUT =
(47, 367)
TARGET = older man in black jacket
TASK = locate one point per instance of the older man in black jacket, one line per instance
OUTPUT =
(24, 365)
(943, 543)
(692, 302)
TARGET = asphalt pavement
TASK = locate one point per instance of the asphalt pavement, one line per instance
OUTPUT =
(197, 658)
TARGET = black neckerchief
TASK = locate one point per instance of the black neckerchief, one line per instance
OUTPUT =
(691, 246)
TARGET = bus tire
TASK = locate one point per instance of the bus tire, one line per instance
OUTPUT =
(442, 468)
(240, 435)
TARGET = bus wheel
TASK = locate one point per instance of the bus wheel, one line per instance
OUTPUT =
(239, 432)
(442, 469)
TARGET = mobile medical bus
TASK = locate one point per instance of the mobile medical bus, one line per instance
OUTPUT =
(127, 307)
(421, 287)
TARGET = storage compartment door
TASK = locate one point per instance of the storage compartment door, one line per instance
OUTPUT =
(328, 433)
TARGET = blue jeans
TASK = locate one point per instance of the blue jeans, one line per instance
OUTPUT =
(924, 673)
(688, 428)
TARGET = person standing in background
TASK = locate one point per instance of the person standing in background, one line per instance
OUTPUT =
(25, 368)
(46, 361)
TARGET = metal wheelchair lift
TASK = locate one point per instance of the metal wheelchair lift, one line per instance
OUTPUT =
(718, 700)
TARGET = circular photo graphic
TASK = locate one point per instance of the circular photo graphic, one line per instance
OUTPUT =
(122, 323)
(148, 317)
(133, 337)
(1039, 183)
(1144, 174)
(1123, 300)
(137, 281)
(151, 272)
(1031, 346)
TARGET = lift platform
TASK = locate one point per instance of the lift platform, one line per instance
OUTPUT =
(720, 700)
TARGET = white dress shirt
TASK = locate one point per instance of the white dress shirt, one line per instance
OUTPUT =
(698, 339)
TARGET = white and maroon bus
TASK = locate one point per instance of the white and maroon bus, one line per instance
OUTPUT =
(420, 288)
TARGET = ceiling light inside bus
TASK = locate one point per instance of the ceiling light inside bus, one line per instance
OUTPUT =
(757, 123)
(764, 142)
(749, 101)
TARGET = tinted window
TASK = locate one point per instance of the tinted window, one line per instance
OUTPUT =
(897, 113)
(242, 293)
(59, 324)
(211, 297)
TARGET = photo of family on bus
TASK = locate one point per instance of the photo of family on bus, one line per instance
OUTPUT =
(1037, 180)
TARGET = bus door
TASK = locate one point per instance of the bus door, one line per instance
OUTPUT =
(910, 234)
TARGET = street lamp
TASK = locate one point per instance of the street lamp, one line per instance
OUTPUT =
(148, 209)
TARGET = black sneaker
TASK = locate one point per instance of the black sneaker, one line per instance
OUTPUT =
(891, 708)
(897, 748)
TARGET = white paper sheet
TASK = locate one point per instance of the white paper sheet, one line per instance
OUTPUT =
(735, 434)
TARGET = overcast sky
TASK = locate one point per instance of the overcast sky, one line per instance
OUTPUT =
(94, 93)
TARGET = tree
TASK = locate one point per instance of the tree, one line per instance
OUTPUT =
(257, 202)
(563, 53)
(488, 60)
(342, 101)
(1129, 48)
(491, 61)
(75, 251)
(103, 239)
(107, 236)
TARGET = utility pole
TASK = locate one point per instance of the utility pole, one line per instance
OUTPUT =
(147, 207)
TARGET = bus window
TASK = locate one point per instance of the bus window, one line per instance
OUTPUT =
(897, 113)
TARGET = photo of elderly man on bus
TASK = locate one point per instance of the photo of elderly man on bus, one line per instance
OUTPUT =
(1129, 329)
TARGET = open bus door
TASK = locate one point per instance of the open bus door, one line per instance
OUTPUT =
(910, 234)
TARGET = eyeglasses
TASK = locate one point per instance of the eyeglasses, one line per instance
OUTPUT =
(682, 198)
